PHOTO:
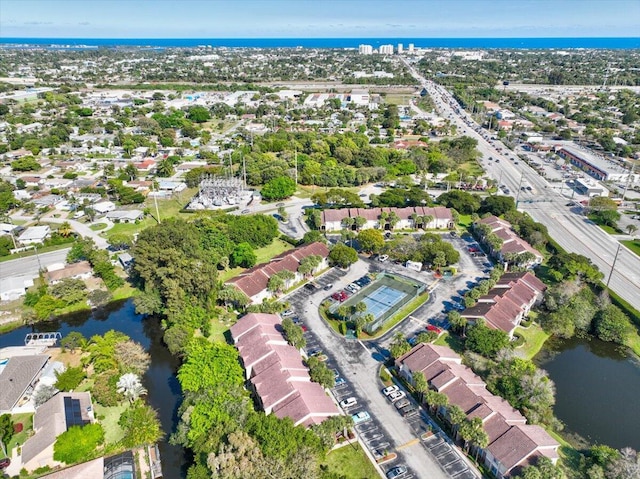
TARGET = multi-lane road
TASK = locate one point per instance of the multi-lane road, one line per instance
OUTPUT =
(574, 232)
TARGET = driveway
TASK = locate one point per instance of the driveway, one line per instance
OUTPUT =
(359, 366)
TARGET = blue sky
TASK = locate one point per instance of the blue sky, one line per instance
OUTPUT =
(318, 18)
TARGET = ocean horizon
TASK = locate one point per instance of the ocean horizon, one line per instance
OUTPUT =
(616, 43)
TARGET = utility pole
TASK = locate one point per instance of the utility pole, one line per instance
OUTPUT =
(519, 189)
(155, 201)
(615, 258)
(38, 258)
(295, 159)
(244, 172)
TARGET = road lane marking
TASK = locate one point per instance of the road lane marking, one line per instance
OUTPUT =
(413, 442)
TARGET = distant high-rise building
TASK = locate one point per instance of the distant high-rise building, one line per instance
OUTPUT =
(410, 47)
(400, 48)
(365, 49)
(385, 49)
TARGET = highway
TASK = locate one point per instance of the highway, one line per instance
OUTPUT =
(574, 232)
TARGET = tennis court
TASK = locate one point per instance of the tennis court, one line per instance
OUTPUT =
(382, 300)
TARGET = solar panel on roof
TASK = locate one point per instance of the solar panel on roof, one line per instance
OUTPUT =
(72, 412)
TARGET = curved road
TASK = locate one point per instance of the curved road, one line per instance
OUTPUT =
(80, 228)
(572, 231)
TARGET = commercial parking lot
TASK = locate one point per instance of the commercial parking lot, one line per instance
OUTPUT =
(358, 365)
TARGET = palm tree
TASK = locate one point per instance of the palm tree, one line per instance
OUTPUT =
(360, 222)
(631, 229)
(456, 417)
(457, 321)
(414, 217)
(384, 216)
(65, 229)
(393, 219)
(348, 222)
(420, 384)
(129, 385)
(426, 220)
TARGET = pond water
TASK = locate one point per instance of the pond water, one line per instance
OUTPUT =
(160, 380)
(597, 390)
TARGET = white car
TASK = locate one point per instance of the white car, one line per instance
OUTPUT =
(286, 313)
(395, 395)
(390, 389)
(349, 402)
(383, 258)
(354, 286)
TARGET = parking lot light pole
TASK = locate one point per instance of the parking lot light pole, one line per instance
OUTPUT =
(519, 189)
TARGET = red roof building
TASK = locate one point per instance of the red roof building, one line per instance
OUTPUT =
(508, 302)
(513, 443)
(253, 282)
(276, 372)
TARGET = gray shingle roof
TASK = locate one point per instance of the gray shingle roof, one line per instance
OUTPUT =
(16, 377)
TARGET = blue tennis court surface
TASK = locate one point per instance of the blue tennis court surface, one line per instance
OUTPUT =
(382, 300)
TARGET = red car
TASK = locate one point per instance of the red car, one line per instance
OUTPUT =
(435, 329)
(473, 249)
(4, 463)
(336, 296)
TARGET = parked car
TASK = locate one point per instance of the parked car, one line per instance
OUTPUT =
(435, 329)
(328, 287)
(4, 463)
(390, 389)
(336, 373)
(410, 410)
(360, 417)
(383, 258)
(396, 395)
(340, 381)
(401, 403)
(286, 313)
(349, 402)
(396, 472)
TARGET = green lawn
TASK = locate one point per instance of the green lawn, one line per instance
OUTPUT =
(609, 229)
(397, 99)
(112, 431)
(451, 340)
(633, 246)
(263, 255)
(27, 425)
(98, 226)
(465, 221)
(350, 462)
(534, 338)
(169, 208)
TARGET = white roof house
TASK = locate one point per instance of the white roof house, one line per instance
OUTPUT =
(125, 216)
(104, 207)
(34, 235)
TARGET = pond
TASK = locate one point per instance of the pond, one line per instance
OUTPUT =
(597, 390)
(160, 380)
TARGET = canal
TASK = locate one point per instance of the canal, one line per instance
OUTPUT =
(164, 393)
(597, 390)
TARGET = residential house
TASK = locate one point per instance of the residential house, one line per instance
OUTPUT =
(512, 244)
(125, 216)
(80, 270)
(34, 235)
(276, 373)
(53, 418)
(18, 378)
(512, 443)
(104, 207)
(508, 302)
(13, 287)
(253, 282)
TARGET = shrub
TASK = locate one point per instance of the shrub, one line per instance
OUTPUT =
(78, 443)
(18, 427)
(104, 389)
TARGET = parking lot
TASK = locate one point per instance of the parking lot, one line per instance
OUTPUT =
(357, 366)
